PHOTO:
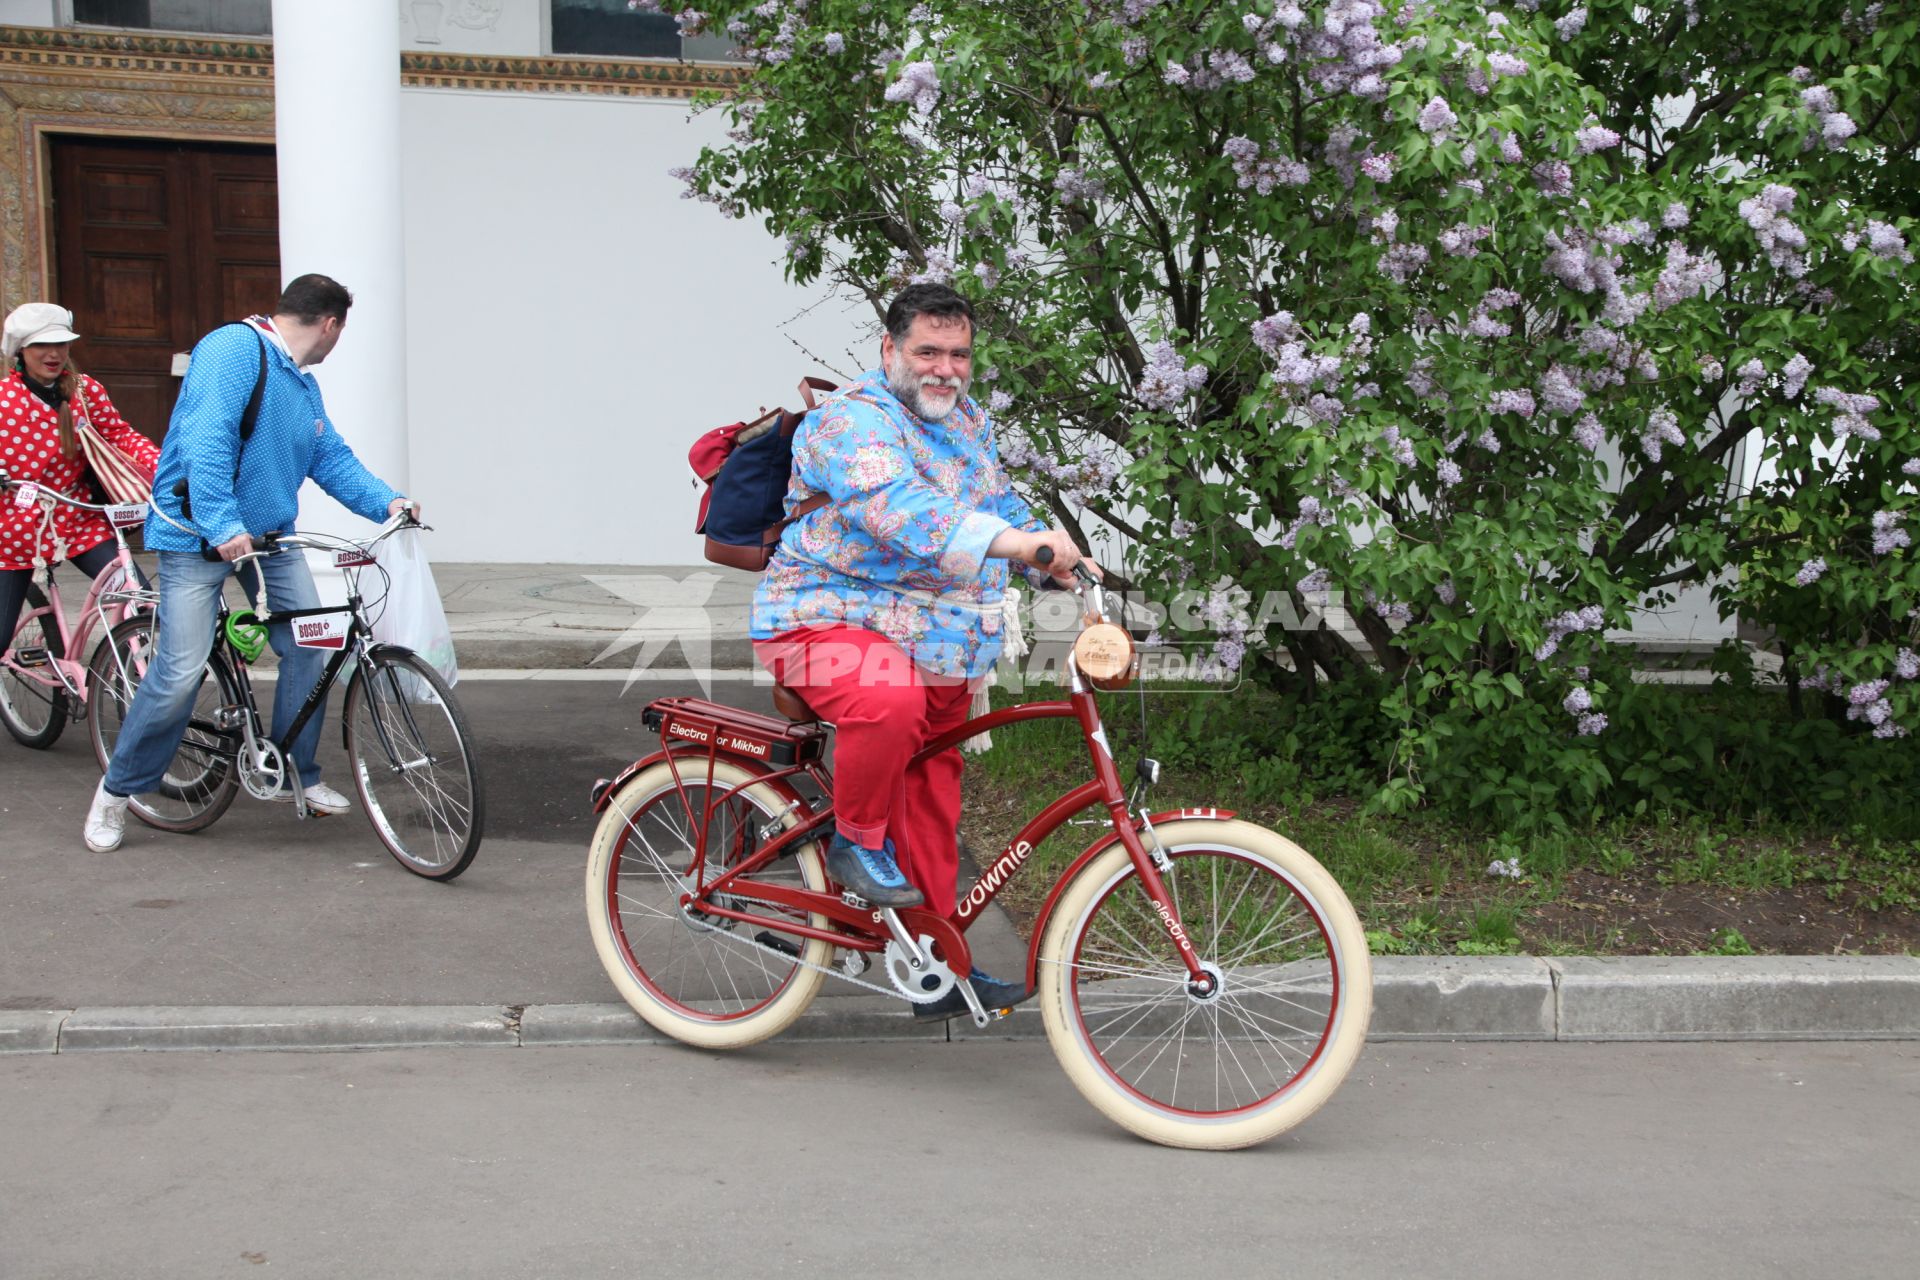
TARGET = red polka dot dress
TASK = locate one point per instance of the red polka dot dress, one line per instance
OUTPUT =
(30, 450)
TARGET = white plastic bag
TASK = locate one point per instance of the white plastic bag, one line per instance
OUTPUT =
(413, 616)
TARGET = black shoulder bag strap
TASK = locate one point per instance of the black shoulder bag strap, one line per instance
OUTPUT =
(249, 419)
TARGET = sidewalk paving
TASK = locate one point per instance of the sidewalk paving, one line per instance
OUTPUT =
(548, 623)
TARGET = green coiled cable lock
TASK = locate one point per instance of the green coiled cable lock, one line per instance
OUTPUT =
(247, 634)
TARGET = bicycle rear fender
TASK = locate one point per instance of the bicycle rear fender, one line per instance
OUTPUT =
(1093, 851)
(693, 765)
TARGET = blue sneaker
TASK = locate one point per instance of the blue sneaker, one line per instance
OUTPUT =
(870, 873)
(993, 993)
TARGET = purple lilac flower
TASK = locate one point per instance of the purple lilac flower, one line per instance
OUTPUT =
(1074, 184)
(1554, 177)
(1685, 276)
(1663, 428)
(1795, 373)
(1462, 240)
(1396, 446)
(1448, 473)
(1271, 331)
(1883, 240)
(1751, 375)
(1906, 665)
(1505, 64)
(1852, 410)
(1810, 571)
(1437, 117)
(1314, 583)
(835, 42)
(1784, 242)
(1403, 261)
(1910, 467)
(1175, 74)
(1377, 167)
(1482, 325)
(1167, 382)
(1446, 593)
(1558, 393)
(1511, 400)
(1887, 533)
(1595, 137)
(1591, 724)
(1572, 24)
(999, 402)
(919, 84)
(1578, 701)
(1589, 432)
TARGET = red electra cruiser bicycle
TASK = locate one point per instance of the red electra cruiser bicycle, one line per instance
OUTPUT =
(1203, 981)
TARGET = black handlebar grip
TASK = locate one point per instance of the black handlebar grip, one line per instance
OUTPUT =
(1044, 556)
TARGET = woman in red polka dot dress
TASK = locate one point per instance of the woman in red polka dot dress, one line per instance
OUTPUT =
(37, 443)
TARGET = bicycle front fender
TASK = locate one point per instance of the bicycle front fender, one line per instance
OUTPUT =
(1091, 852)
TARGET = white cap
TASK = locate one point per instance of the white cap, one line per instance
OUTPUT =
(35, 322)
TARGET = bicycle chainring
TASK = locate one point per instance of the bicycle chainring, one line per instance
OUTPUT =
(922, 986)
(263, 772)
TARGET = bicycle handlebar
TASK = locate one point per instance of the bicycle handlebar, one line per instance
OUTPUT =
(101, 508)
(1044, 557)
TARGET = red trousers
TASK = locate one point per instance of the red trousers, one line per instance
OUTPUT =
(884, 709)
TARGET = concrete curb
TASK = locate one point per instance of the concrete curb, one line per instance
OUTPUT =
(1415, 998)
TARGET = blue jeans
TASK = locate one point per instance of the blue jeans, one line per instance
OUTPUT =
(162, 706)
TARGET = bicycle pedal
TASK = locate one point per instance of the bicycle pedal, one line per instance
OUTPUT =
(30, 659)
(785, 946)
(855, 901)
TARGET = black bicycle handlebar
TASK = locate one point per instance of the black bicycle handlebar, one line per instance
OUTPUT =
(1044, 557)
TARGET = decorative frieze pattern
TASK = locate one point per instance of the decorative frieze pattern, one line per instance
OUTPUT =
(128, 84)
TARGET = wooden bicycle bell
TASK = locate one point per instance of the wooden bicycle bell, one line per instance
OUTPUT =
(1104, 655)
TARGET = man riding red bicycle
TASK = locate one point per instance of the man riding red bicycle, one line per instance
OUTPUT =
(882, 608)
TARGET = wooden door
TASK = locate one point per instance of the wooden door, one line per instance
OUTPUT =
(155, 243)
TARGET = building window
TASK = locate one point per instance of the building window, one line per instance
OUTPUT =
(611, 29)
(212, 17)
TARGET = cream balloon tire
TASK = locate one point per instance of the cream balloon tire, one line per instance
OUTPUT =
(705, 982)
(1185, 1069)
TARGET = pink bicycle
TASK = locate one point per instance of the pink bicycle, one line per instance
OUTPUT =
(43, 681)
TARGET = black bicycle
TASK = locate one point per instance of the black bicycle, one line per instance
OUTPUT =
(413, 763)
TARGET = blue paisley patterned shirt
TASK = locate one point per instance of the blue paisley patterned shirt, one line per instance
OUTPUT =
(292, 439)
(902, 548)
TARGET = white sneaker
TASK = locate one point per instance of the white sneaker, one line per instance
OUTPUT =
(106, 820)
(321, 798)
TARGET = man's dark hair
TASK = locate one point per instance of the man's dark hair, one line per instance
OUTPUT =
(925, 300)
(310, 297)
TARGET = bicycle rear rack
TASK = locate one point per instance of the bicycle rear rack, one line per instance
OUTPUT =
(730, 731)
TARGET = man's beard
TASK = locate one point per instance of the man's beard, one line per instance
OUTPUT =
(905, 385)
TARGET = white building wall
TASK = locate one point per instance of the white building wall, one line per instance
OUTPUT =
(573, 324)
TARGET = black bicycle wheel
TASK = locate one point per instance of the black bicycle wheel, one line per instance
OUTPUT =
(33, 703)
(202, 779)
(413, 764)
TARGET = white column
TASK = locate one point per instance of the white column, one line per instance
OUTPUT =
(336, 91)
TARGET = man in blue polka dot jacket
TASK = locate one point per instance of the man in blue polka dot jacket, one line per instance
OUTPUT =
(236, 494)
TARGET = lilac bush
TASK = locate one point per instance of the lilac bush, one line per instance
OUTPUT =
(1463, 310)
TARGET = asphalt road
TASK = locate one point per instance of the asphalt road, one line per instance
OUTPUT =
(1486, 1161)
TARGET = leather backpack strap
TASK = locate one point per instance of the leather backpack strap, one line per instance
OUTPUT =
(808, 506)
(810, 385)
